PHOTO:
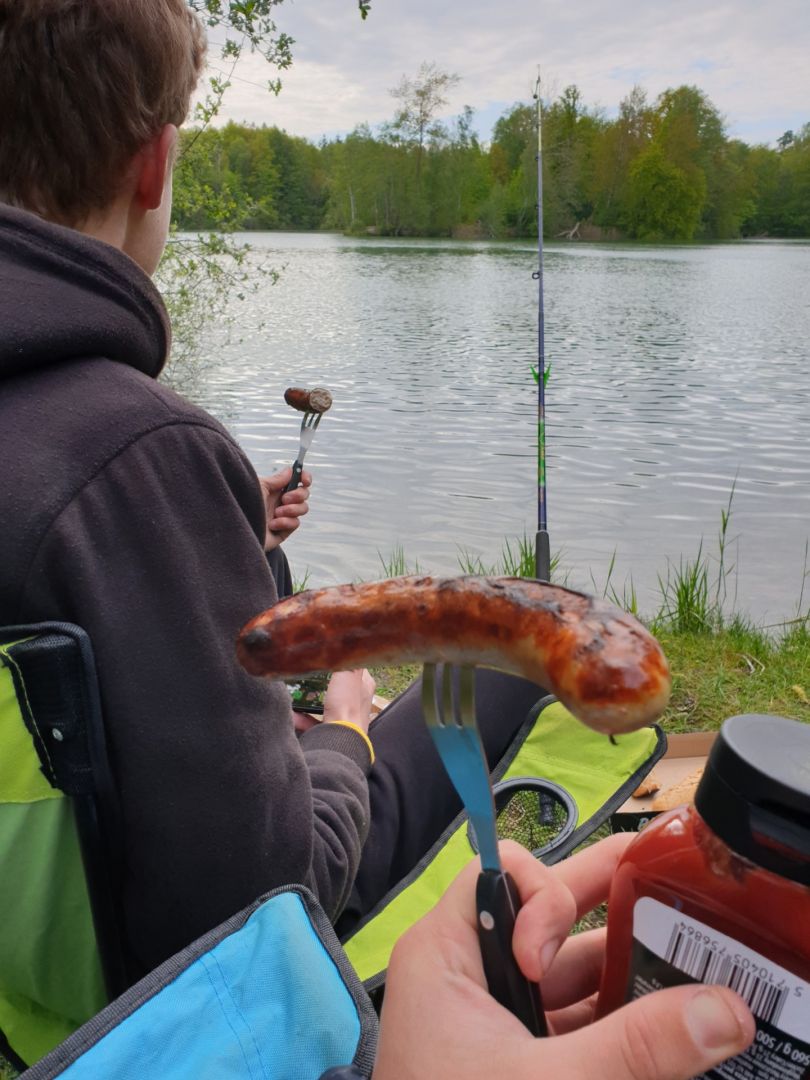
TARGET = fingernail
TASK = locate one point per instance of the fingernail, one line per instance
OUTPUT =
(547, 954)
(712, 1021)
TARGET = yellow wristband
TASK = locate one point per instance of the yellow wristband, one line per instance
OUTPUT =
(363, 735)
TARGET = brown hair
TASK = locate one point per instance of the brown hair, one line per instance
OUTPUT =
(84, 84)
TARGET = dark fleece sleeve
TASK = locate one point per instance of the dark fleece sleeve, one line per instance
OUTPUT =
(159, 559)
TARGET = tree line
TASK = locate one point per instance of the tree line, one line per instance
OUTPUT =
(660, 170)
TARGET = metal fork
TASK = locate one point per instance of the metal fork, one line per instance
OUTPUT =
(308, 425)
(497, 901)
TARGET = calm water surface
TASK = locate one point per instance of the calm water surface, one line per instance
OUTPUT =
(674, 371)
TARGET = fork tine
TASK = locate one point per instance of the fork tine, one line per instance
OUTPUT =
(466, 697)
(429, 710)
(448, 707)
(449, 691)
(449, 713)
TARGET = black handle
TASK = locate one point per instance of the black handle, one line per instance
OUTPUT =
(295, 481)
(498, 903)
(297, 469)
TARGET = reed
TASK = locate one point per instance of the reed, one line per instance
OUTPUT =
(695, 595)
(627, 599)
(396, 565)
(299, 585)
(517, 560)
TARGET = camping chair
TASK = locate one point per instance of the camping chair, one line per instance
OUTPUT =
(61, 957)
(230, 1001)
(270, 992)
(557, 784)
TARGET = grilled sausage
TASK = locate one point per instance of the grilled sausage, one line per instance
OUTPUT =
(600, 662)
(318, 400)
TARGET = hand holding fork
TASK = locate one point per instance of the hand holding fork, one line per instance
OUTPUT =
(448, 705)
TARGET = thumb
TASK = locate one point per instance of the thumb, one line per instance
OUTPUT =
(277, 482)
(671, 1034)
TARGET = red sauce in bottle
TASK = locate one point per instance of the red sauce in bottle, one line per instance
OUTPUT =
(720, 893)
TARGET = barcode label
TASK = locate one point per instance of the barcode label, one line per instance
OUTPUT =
(707, 966)
(775, 995)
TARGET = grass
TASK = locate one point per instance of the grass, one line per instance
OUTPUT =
(737, 669)
(396, 565)
(517, 560)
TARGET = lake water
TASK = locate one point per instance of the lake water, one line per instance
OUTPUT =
(676, 371)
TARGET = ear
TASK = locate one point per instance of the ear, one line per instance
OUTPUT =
(154, 165)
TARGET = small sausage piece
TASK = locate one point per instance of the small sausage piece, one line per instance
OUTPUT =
(317, 400)
(600, 662)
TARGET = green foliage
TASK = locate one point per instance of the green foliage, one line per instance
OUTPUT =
(420, 99)
(245, 24)
(662, 170)
(781, 206)
(239, 177)
(663, 201)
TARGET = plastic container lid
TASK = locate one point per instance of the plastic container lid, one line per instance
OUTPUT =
(755, 792)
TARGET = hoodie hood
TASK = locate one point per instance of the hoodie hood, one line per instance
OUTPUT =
(64, 295)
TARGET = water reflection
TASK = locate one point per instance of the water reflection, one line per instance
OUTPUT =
(674, 371)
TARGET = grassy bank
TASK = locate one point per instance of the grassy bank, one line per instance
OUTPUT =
(722, 663)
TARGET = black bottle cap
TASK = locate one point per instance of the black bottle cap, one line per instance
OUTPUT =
(755, 792)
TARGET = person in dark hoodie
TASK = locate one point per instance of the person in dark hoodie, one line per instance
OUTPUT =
(132, 513)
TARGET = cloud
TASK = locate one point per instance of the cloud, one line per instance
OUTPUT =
(750, 58)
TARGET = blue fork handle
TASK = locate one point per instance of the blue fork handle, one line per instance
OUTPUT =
(497, 904)
(297, 469)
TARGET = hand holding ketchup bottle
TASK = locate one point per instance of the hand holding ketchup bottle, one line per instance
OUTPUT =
(720, 893)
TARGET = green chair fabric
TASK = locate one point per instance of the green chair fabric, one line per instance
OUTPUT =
(56, 891)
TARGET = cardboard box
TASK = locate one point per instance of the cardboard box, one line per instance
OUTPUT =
(685, 753)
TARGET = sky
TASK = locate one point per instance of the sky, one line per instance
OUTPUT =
(752, 58)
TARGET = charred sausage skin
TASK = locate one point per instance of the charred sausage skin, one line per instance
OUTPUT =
(599, 661)
(317, 400)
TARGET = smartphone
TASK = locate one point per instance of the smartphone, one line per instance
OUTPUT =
(307, 694)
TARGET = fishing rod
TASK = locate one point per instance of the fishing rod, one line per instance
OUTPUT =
(542, 548)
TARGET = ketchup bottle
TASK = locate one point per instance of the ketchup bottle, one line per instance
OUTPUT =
(720, 893)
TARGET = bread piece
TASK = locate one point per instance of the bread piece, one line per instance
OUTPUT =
(678, 794)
